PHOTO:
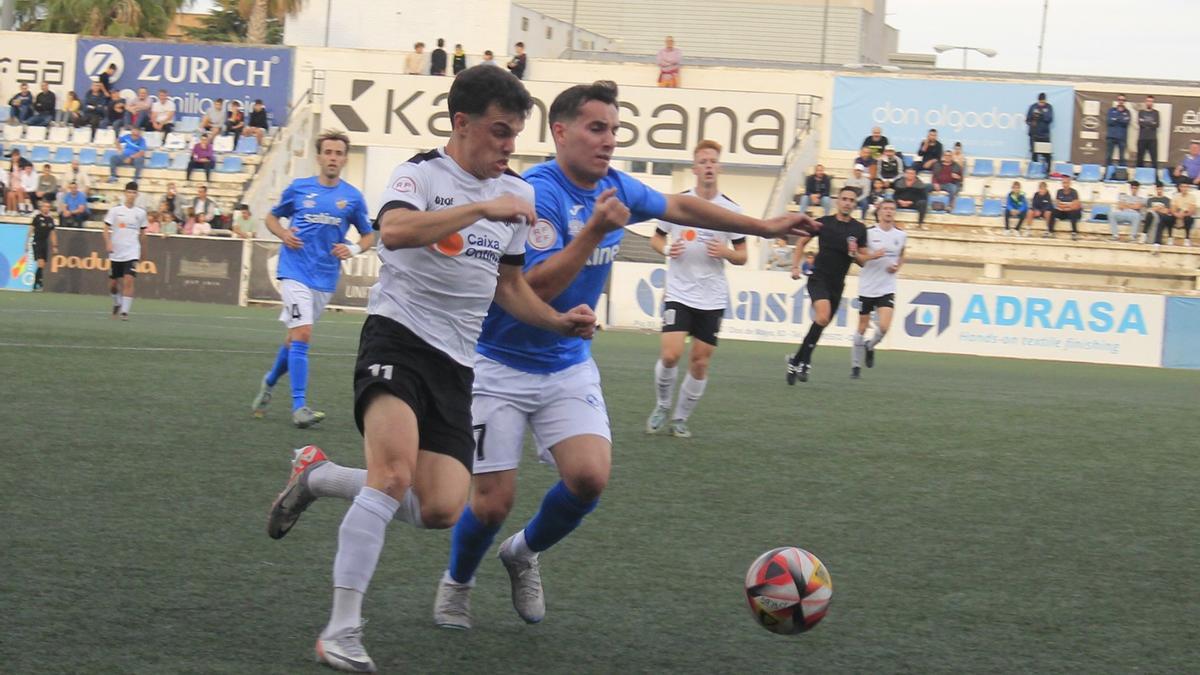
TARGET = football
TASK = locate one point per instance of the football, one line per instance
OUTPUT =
(788, 590)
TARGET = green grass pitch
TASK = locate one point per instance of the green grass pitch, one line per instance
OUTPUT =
(976, 515)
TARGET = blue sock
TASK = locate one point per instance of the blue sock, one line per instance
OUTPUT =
(297, 362)
(560, 514)
(469, 542)
(280, 368)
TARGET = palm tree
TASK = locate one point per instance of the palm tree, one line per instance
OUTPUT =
(112, 18)
(258, 11)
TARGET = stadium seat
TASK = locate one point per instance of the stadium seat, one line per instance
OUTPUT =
(59, 135)
(247, 145)
(19, 148)
(104, 137)
(230, 165)
(1167, 178)
(62, 156)
(87, 156)
(187, 125)
(1089, 173)
(964, 206)
(180, 160)
(939, 202)
(992, 208)
(983, 167)
(154, 139)
(1144, 175)
(159, 160)
(35, 134)
(40, 154)
(13, 132)
(1010, 168)
(5, 111)
(1099, 213)
(1064, 168)
(176, 141)
(223, 144)
(81, 136)
(103, 161)
(1037, 171)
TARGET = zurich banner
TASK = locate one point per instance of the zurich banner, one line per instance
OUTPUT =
(988, 118)
(194, 74)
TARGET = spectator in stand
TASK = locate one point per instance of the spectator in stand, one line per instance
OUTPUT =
(959, 157)
(45, 104)
(1188, 170)
(1118, 131)
(258, 124)
(1039, 118)
(235, 122)
(17, 163)
(867, 163)
(243, 224)
(806, 268)
(930, 151)
(780, 257)
(911, 193)
(139, 108)
(816, 190)
(891, 165)
(170, 211)
(21, 183)
(1041, 206)
(201, 212)
(95, 106)
(460, 60)
(1148, 133)
(876, 142)
(861, 186)
(1183, 209)
(106, 78)
(1130, 208)
(947, 177)
(670, 63)
(131, 149)
(76, 174)
(74, 209)
(879, 192)
(21, 104)
(1159, 217)
(1015, 206)
(214, 118)
(115, 117)
(414, 62)
(72, 111)
(162, 113)
(437, 58)
(1068, 206)
(516, 65)
(46, 189)
(203, 157)
(489, 58)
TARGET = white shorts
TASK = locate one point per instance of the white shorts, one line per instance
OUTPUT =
(302, 306)
(555, 406)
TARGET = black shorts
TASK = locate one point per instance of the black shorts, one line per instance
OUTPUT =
(392, 359)
(868, 305)
(702, 324)
(124, 268)
(821, 287)
(41, 248)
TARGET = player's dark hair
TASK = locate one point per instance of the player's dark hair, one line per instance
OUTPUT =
(567, 104)
(478, 87)
(333, 135)
(132, 185)
(847, 188)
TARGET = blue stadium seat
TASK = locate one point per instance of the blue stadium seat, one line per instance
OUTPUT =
(1037, 170)
(159, 160)
(1100, 213)
(87, 156)
(40, 154)
(1010, 168)
(103, 161)
(180, 160)
(1064, 168)
(1089, 173)
(187, 125)
(983, 167)
(1167, 179)
(247, 145)
(1144, 175)
(230, 165)
(992, 208)
(63, 155)
(5, 111)
(964, 206)
(939, 199)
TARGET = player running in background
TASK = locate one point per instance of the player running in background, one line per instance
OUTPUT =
(839, 242)
(320, 210)
(877, 285)
(453, 228)
(44, 239)
(124, 236)
(696, 295)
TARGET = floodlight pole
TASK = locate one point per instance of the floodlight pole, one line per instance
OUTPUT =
(571, 38)
(1042, 40)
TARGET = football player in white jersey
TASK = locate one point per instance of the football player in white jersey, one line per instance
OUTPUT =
(124, 236)
(877, 285)
(696, 295)
(453, 229)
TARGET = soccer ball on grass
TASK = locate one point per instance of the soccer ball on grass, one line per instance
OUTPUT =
(788, 590)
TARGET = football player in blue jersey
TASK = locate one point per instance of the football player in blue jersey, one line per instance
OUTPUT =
(320, 210)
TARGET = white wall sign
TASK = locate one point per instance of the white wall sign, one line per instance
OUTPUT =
(36, 57)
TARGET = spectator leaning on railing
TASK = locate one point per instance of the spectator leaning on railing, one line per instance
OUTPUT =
(415, 59)
(516, 65)
(437, 58)
(670, 64)
(459, 61)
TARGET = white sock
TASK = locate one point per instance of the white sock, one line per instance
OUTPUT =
(857, 351)
(876, 338)
(126, 303)
(689, 395)
(360, 541)
(519, 548)
(664, 381)
(116, 299)
(334, 480)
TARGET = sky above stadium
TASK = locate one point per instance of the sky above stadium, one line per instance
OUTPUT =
(1152, 39)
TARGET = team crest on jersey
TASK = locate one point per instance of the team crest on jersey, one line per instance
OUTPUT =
(404, 184)
(341, 204)
(575, 225)
(450, 245)
(308, 204)
(542, 235)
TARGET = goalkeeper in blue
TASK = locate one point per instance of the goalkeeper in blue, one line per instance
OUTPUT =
(320, 211)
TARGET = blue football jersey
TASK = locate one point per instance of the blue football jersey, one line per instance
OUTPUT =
(563, 208)
(322, 215)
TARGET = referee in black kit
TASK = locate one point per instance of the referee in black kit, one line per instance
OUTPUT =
(838, 242)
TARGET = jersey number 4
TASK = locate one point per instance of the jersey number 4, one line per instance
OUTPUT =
(376, 369)
(295, 311)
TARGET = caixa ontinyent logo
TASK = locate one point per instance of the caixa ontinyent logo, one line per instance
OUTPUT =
(929, 309)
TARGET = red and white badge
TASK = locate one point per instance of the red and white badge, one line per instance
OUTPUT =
(542, 235)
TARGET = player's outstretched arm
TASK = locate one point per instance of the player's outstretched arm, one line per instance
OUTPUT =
(691, 210)
(514, 294)
(346, 251)
(402, 227)
(551, 277)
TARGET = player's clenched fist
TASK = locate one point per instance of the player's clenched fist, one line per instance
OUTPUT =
(609, 213)
(578, 321)
(509, 209)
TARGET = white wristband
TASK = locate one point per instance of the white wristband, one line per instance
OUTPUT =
(355, 249)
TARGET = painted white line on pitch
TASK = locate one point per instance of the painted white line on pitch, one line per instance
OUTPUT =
(21, 345)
